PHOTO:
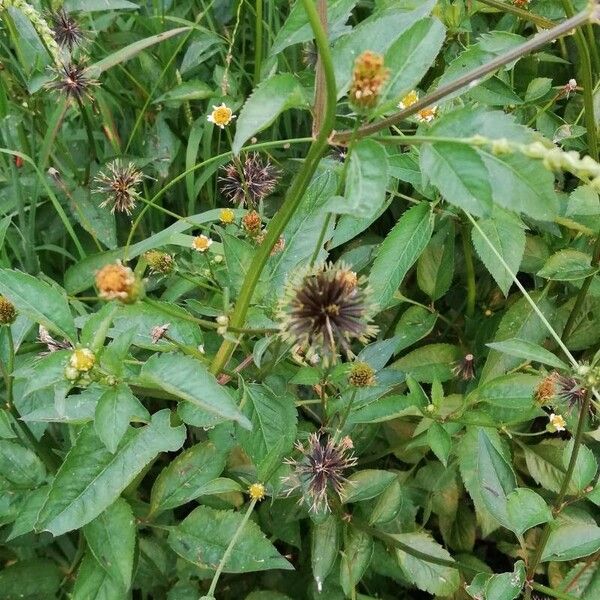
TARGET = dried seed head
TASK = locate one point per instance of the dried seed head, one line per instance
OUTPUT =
(324, 308)
(521, 3)
(465, 368)
(250, 181)
(159, 262)
(119, 183)
(66, 30)
(8, 313)
(320, 470)
(252, 223)
(557, 388)
(368, 78)
(117, 282)
(73, 81)
(361, 375)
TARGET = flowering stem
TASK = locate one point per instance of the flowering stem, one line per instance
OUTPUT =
(258, 41)
(229, 549)
(536, 42)
(558, 503)
(294, 196)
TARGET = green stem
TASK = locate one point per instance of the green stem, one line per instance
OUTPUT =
(294, 196)
(229, 550)
(558, 503)
(585, 72)
(258, 41)
(470, 270)
(519, 12)
(550, 592)
(536, 42)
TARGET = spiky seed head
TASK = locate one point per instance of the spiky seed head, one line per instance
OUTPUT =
(119, 183)
(465, 368)
(361, 375)
(368, 78)
(249, 181)
(159, 262)
(72, 80)
(8, 312)
(320, 470)
(115, 281)
(66, 30)
(252, 223)
(324, 309)
(559, 388)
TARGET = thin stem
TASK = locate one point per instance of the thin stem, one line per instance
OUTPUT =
(320, 84)
(550, 592)
(558, 502)
(472, 77)
(519, 12)
(258, 41)
(229, 550)
(293, 198)
(470, 270)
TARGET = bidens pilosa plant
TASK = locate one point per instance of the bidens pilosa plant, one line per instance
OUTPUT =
(299, 300)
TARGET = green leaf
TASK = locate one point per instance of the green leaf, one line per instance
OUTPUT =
(127, 53)
(528, 350)
(440, 442)
(522, 322)
(506, 586)
(188, 379)
(189, 90)
(325, 546)
(415, 323)
(94, 582)
(268, 100)
(111, 539)
(435, 267)
(20, 465)
(91, 478)
(115, 409)
(585, 468)
(435, 579)
(366, 484)
(238, 256)
(366, 181)
(507, 236)
(273, 417)
(568, 265)
(526, 509)
(411, 55)
(495, 476)
(434, 361)
(25, 292)
(203, 536)
(399, 252)
(376, 34)
(570, 539)
(34, 578)
(297, 29)
(187, 477)
(98, 5)
(96, 220)
(356, 556)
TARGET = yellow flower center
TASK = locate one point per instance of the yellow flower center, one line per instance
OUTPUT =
(82, 359)
(226, 216)
(427, 114)
(201, 243)
(408, 100)
(222, 115)
(257, 491)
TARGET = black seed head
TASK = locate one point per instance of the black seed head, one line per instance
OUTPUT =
(119, 184)
(73, 81)
(66, 29)
(249, 181)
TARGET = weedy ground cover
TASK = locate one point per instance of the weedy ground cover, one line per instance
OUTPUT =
(299, 299)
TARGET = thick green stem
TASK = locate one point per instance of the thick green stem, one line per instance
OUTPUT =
(558, 503)
(536, 42)
(294, 196)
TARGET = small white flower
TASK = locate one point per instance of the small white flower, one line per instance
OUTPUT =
(221, 115)
(557, 422)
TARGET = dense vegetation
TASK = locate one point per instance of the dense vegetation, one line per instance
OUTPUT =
(299, 299)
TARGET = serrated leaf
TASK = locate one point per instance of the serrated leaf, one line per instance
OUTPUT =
(204, 535)
(506, 586)
(415, 323)
(91, 478)
(366, 181)
(366, 484)
(325, 545)
(528, 350)
(526, 509)
(507, 236)
(32, 578)
(115, 409)
(571, 539)
(20, 466)
(434, 361)
(585, 467)
(268, 100)
(435, 579)
(440, 442)
(399, 252)
(190, 380)
(186, 477)
(356, 556)
(568, 265)
(94, 582)
(110, 538)
(25, 292)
